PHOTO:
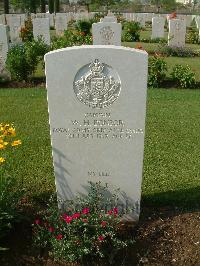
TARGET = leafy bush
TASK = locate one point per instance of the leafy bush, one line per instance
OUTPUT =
(85, 230)
(131, 31)
(10, 192)
(177, 51)
(184, 76)
(26, 32)
(70, 38)
(84, 26)
(157, 71)
(193, 37)
(23, 59)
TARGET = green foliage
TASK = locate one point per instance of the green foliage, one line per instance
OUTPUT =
(131, 31)
(10, 195)
(23, 59)
(193, 37)
(86, 229)
(184, 76)
(26, 5)
(26, 32)
(17, 64)
(84, 26)
(157, 71)
(70, 38)
(177, 51)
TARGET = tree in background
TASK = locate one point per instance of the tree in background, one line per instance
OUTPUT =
(26, 5)
(6, 6)
(43, 6)
(168, 5)
(86, 3)
(51, 6)
(56, 6)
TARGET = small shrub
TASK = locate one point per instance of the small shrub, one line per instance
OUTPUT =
(70, 38)
(184, 76)
(193, 37)
(17, 64)
(85, 230)
(177, 51)
(157, 71)
(131, 31)
(10, 192)
(26, 32)
(23, 59)
(84, 26)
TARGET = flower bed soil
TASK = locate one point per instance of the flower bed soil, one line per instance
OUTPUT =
(163, 237)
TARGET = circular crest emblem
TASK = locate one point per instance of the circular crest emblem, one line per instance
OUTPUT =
(97, 85)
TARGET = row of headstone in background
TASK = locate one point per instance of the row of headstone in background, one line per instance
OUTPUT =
(177, 30)
(142, 18)
(108, 31)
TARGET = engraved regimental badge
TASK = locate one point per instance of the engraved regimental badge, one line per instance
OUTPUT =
(97, 85)
(107, 34)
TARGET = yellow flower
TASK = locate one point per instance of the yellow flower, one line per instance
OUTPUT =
(2, 160)
(2, 147)
(16, 142)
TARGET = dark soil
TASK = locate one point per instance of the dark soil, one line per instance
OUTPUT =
(39, 82)
(163, 237)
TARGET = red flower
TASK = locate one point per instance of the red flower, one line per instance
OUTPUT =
(37, 222)
(68, 219)
(51, 229)
(85, 211)
(85, 220)
(76, 215)
(59, 237)
(103, 223)
(100, 238)
(110, 212)
(115, 210)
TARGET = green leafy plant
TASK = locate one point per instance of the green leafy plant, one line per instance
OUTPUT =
(193, 37)
(10, 192)
(26, 32)
(23, 59)
(157, 68)
(70, 38)
(131, 31)
(84, 230)
(184, 76)
(84, 26)
(177, 51)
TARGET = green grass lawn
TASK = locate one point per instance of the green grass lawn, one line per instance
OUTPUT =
(172, 144)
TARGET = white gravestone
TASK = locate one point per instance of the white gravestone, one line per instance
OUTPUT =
(158, 30)
(106, 33)
(97, 106)
(109, 19)
(60, 24)
(41, 29)
(197, 20)
(189, 19)
(177, 32)
(15, 27)
(3, 45)
(51, 19)
(2, 19)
